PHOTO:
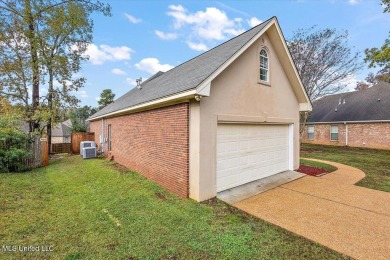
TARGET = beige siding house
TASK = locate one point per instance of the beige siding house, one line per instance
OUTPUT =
(222, 119)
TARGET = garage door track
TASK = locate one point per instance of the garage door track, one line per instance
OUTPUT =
(330, 210)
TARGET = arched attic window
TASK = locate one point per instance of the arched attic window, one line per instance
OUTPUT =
(264, 65)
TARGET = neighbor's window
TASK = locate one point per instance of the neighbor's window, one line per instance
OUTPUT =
(109, 138)
(310, 132)
(264, 65)
(334, 133)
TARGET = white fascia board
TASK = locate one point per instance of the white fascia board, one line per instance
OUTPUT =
(349, 122)
(204, 90)
(162, 101)
(203, 85)
(309, 105)
(305, 107)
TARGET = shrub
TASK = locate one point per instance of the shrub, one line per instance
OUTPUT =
(14, 150)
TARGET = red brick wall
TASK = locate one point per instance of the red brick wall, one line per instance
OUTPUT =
(154, 143)
(96, 127)
(370, 135)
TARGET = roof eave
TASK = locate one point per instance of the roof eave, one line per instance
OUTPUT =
(179, 97)
(349, 122)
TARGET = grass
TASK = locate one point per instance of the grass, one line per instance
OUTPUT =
(92, 209)
(374, 163)
(328, 167)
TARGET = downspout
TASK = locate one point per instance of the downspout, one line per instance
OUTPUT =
(102, 137)
(346, 133)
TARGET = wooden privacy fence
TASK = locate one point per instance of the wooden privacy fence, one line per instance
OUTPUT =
(38, 147)
(61, 148)
(78, 137)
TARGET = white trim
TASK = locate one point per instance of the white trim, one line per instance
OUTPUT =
(205, 91)
(204, 87)
(194, 152)
(103, 135)
(330, 131)
(235, 56)
(350, 122)
(304, 107)
(308, 104)
(346, 134)
(307, 129)
(291, 147)
(183, 95)
(263, 48)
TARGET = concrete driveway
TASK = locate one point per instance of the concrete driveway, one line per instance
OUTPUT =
(330, 210)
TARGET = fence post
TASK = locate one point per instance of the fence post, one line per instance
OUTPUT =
(45, 150)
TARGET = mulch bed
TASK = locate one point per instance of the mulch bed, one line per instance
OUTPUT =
(312, 171)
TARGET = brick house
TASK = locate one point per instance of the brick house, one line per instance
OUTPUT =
(358, 119)
(224, 118)
(61, 132)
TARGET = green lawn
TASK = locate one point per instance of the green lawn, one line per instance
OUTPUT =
(92, 209)
(328, 167)
(375, 163)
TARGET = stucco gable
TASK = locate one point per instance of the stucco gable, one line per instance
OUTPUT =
(193, 78)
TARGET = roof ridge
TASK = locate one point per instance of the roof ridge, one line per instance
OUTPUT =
(223, 43)
(187, 75)
(354, 91)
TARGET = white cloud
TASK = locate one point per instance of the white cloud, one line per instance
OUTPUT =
(83, 94)
(165, 36)
(97, 98)
(132, 19)
(350, 82)
(152, 65)
(254, 21)
(99, 54)
(353, 2)
(197, 46)
(211, 24)
(118, 71)
(177, 8)
(131, 81)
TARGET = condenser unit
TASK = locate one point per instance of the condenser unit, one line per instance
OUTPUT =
(86, 144)
(89, 152)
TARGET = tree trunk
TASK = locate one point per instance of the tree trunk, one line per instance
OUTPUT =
(50, 104)
(302, 124)
(34, 59)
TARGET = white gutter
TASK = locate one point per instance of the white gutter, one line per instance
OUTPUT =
(350, 122)
(346, 134)
(180, 96)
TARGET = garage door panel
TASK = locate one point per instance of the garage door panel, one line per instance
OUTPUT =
(249, 152)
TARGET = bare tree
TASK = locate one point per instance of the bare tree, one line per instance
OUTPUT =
(361, 85)
(324, 60)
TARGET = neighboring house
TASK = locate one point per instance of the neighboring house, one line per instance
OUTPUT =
(61, 133)
(358, 118)
(224, 118)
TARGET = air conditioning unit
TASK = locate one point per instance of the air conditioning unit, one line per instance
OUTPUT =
(89, 152)
(86, 144)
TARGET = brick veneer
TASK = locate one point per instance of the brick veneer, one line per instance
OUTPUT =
(154, 143)
(370, 135)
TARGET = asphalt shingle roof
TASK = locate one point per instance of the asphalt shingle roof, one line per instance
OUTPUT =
(363, 105)
(184, 77)
(62, 129)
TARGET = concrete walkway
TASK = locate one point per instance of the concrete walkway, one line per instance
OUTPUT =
(330, 210)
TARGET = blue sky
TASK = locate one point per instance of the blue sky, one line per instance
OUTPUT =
(143, 37)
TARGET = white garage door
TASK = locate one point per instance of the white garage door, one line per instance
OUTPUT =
(247, 153)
